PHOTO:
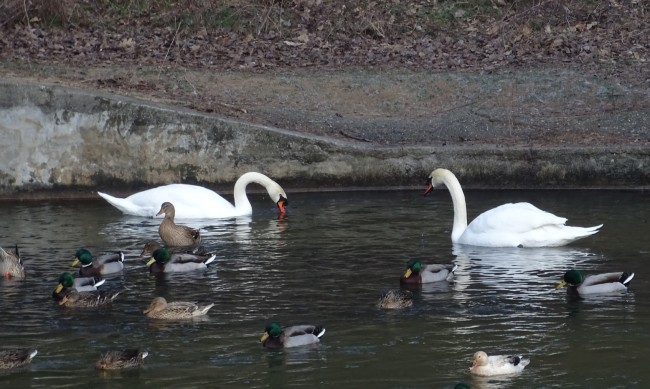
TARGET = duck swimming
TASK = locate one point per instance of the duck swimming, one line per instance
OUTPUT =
(121, 359)
(164, 261)
(577, 283)
(275, 336)
(108, 263)
(484, 365)
(11, 265)
(173, 234)
(417, 274)
(161, 309)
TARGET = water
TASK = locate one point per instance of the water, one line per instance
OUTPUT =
(328, 262)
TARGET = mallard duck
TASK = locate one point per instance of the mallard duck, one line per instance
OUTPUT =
(100, 265)
(10, 359)
(11, 264)
(70, 298)
(483, 365)
(121, 359)
(395, 299)
(161, 309)
(163, 261)
(197, 202)
(80, 284)
(173, 234)
(595, 284)
(416, 274)
(151, 246)
(275, 336)
(508, 225)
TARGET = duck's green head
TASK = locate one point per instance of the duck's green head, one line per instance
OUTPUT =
(572, 277)
(413, 267)
(66, 280)
(161, 255)
(272, 330)
(82, 256)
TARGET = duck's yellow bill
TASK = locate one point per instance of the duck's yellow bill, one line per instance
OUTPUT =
(562, 284)
(408, 273)
(264, 337)
(59, 288)
(75, 262)
(151, 261)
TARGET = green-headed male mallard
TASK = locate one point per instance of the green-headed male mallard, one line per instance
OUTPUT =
(484, 365)
(10, 359)
(416, 274)
(164, 261)
(100, 265)
(11, 265)
(151, 245)
(275, 336)
(161, 309)
(395, 299)
(173, 234)
(121, 359)
(615, 282)
(80, 284)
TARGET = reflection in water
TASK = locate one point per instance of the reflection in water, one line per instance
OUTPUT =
(328, 261)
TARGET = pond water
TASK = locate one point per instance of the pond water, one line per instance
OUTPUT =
(327, 262)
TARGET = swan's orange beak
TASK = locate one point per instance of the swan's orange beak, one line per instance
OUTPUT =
(281, 204)
(429, 188)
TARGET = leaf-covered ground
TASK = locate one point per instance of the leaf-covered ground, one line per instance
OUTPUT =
(256, 59)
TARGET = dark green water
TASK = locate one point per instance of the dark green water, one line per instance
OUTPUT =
(327, 262)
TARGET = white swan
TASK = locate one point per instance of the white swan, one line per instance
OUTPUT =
(197, 202)
(508, 225)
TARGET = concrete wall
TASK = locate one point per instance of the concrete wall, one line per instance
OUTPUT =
(54, 139)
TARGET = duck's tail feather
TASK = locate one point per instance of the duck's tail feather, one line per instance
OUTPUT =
(211, 259)
(626, 278)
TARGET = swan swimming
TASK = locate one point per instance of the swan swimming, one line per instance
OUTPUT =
(197, 202)
(508, 225)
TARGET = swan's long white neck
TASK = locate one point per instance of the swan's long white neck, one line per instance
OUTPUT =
(457, 198)
(242, 204)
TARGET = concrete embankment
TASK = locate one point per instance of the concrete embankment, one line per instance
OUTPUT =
(60, 141)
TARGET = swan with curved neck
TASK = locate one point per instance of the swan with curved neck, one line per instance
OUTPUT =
(195, 202)
(508, 225)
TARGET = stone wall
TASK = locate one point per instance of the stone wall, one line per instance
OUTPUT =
(55, 139)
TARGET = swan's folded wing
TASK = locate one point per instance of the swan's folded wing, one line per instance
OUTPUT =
(514, 218)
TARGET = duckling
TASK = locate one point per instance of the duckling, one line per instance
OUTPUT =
(276, 337)
(484, 365)
(163, 261)
(395, 299)
(173, 234)
(80, 284)
(100, 265)
(10, 359)
(11, 265)
(616, 282)
(151, 245)
(121, 359)
(161, 309)
(415, 274)
(70, 298)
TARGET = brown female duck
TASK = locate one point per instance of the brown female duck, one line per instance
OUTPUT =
(173, 234)
(10, 359)
(161, 309)
(121, 359)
